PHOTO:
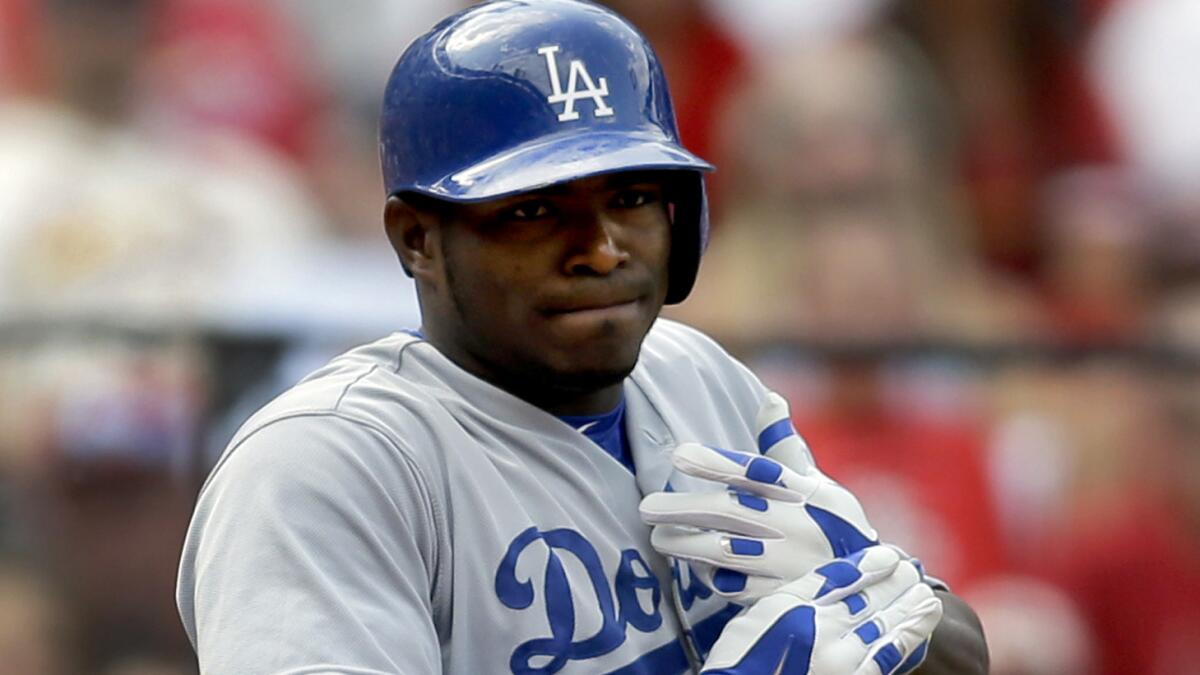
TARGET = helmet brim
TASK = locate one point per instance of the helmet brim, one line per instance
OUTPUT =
(560, 159)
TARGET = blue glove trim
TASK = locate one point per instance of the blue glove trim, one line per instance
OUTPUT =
(910, 664)
(774, 433)
(764, 470)
(740, 546)
(729, 581)
(856, 603)
(838, 574)
(843, 537)
(888, 658)
(751, 501)
(784, 649)
(740, 458)
(868, 632)
(916, 562)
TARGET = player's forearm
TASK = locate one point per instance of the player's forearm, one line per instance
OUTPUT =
(958, 646)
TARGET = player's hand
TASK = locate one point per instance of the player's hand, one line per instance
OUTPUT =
(868, 613)
(780, 518)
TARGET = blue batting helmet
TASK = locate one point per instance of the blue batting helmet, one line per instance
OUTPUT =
(515, 95)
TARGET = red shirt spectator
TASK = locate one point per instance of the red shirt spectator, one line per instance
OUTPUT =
(233, 66)
(1135, 575)
(921, 479)
(21, 68)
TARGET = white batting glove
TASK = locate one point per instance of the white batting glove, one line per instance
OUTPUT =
(781, 518)
(866, 614)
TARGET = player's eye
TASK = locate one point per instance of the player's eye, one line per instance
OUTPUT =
(532, 210)
(631, 198)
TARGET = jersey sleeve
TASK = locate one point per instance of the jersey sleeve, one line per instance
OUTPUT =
(312, 549)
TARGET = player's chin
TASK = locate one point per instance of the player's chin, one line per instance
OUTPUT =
(593, 365)
(608, 348)
(603, 328)
(596, 346)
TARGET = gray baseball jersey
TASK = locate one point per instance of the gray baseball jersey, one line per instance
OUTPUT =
(393, 513)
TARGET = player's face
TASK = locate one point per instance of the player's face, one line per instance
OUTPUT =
(549, 294)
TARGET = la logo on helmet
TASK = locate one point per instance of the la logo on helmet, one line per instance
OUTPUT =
(572, 93)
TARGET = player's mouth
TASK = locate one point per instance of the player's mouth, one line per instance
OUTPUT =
(616, 309)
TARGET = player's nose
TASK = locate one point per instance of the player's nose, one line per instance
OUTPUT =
(596, 248)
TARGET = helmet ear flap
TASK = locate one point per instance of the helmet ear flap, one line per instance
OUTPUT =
(689, 234)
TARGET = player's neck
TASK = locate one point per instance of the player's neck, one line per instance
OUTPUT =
(558, 401)
(574, 404)
(554, 395)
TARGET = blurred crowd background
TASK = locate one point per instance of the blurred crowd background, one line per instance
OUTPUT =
(962, 236)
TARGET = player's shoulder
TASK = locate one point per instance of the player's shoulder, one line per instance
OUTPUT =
(352, 388)
(327, 388)
(680, 359)
(357, 409)
(670, 342)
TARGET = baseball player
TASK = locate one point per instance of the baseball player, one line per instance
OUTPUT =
(546, 477)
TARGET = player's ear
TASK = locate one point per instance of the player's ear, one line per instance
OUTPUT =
(410, 231)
